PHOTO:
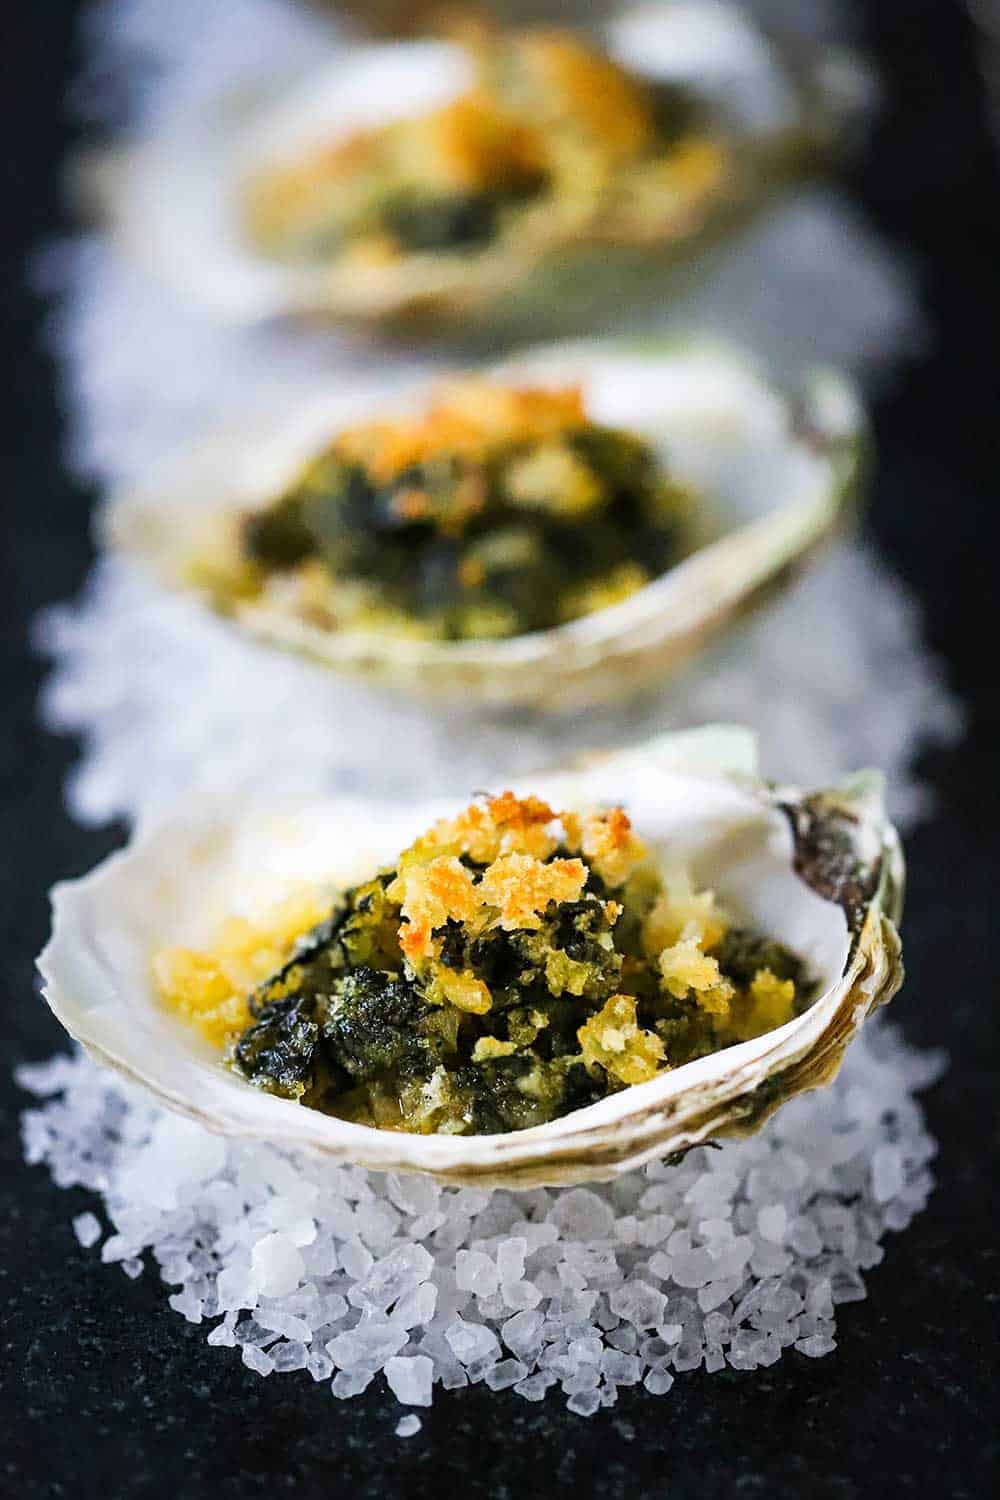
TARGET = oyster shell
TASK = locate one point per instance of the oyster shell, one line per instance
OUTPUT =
(821, 872)
(176, 202)
(778, 472)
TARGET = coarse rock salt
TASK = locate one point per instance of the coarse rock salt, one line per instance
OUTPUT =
(329, 1270)
(87, 1229)
(276, 1265)
(410, 1379)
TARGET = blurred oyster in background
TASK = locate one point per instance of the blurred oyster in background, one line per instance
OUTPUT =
(495, 560)
(522, 181)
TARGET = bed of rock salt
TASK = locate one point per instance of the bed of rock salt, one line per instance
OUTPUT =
(733, 1258)
(168, 699)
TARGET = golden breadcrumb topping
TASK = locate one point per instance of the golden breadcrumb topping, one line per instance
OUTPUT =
(209, 990)
(614, 1039)
(468, 418)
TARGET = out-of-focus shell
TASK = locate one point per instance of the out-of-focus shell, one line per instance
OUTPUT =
(820, 871)
(777, 471)
(176, 203)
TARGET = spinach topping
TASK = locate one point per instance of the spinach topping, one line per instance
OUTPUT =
(516, 540)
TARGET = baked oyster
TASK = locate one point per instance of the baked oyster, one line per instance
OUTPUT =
(556, 531)
(518, 181)
(524, 995)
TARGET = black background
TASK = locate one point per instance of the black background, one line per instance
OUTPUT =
(105, 1391)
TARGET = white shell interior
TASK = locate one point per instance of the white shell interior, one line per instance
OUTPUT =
(177, 882)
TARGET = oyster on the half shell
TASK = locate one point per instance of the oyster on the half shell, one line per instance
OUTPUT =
(459, 227)
(820, 872)
(774, 475)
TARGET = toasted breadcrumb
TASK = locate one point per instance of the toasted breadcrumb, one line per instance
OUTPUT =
(210, 990)
(623, 1048)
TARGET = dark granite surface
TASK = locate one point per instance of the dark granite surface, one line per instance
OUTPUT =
(106, 1392)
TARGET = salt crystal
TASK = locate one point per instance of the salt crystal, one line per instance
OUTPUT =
(846, 1285)
(187, 1303)
(410, 1378)
(417, 1307)
(222, 1335)
(692, 1268)
(521, 1333)
(508, 1372)
(290, 1356)
(623, 1369)
(772, 1222)
(888, 1175)
(654, 1230)
(249, 1331)
(471, 1341)
(369, 1343)
(580, 1214)
(804, 1238)
(716, 1292)
(744, 1349)
(511, 1257)
(348, 1383)
(688, 1354)
(319, 1365)
(408, 1426)
(521, 1294)
(116, 1247)
(770, 1350)
(395, 1275)
(576, 1378)
(816, 1345)
(587, 1349)
(535, 1386)
(377, 1224)
(256, 1359)
(276, 1264)
(87, 1229)
(235, 1288)
(284, 1323)
(356, 1259)
(475, 1272)
(658, 1382)
(412, 1193)
(639, 1303)
(584, 1404)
